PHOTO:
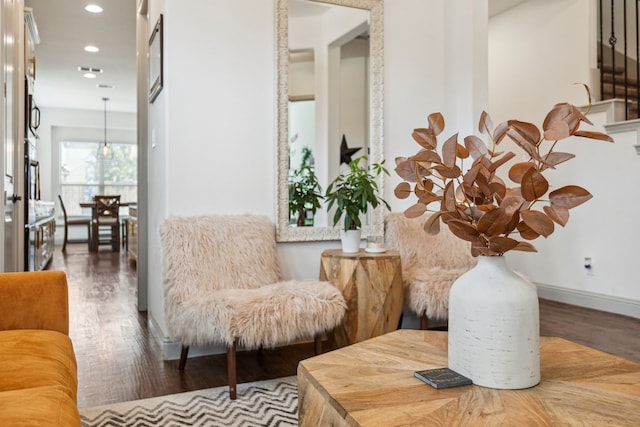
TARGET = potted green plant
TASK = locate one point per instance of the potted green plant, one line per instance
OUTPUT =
(352, 193)
(304, 194)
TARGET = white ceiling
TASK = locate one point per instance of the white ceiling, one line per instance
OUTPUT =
(65, 28)
(499, 6)
(299, 8)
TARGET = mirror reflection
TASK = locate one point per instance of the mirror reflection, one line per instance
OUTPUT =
(330, 84)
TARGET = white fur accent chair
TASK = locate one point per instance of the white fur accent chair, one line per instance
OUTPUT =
(430, 264)
(222, 285)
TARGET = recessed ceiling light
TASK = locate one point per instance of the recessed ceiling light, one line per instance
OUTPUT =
(93, 8)
(90, 69)
(92, 49)
(89, 75)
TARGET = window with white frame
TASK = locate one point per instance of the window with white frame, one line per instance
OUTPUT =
(84, 172)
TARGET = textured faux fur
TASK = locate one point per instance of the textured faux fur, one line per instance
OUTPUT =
(222, 283)
(430, 263)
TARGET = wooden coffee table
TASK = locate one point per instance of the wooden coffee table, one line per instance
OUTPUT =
(371, 383)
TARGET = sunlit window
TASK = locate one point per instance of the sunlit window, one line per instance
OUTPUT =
(85, 173)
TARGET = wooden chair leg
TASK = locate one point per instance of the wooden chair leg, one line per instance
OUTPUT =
(317, 344)
(93, 241)
(125, 235)
(89, 235)
(231, 370)
(183, 357)
(115, 237)
(66, 234)
(424, 322)
(260, 358)
(400, 321)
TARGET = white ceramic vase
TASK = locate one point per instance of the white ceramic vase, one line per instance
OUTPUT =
(350, 240)
(494, 326)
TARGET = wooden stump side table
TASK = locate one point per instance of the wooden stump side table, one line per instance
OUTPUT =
(371, 283)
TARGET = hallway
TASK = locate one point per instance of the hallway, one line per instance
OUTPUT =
(119, 360)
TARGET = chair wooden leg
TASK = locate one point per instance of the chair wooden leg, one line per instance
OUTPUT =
(424, 322)
(66, 234)
(93, 241)
(260, 358)
(125, 237)
(231, 370)
(183, 357)
(317, 344)
(115, 238)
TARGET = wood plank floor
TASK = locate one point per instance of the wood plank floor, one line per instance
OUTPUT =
(119, 360)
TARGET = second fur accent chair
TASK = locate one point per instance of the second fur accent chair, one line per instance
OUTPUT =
(430, 264)
(222, 285)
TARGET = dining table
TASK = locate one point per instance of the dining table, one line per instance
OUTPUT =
(92, 205)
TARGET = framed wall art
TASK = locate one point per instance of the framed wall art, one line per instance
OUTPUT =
(155, 61)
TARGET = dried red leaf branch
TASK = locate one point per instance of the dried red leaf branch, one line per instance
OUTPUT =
(477, 205)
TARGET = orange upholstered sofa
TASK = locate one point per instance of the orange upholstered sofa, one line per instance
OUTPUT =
(38, 372)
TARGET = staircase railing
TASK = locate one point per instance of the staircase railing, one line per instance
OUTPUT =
(619, 60)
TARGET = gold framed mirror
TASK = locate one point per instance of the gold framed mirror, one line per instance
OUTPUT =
(319, 37)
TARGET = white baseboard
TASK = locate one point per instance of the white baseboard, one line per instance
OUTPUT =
(171, 349)
(167, 346)
(623, 306)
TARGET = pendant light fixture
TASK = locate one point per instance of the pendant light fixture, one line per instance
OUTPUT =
(104, 151)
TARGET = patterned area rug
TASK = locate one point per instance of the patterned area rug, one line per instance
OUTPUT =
(262, 403)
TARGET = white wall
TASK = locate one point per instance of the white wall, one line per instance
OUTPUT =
(601, 229)
(537, 52)
(414, 72)
(439, 67)
(212, 128)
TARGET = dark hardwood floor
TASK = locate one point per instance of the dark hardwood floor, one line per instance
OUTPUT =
(119, 360)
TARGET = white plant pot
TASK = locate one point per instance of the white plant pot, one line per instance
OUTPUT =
(494, 326)
(350, 240)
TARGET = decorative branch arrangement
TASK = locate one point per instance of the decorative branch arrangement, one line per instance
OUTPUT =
(477, 205)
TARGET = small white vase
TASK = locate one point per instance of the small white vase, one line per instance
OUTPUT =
(494, 326)
(350, 240)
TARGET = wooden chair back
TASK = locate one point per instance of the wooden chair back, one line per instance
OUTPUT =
(107, 206)
(73, 220)
(64, 210)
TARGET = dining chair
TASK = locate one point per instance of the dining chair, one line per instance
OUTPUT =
(222, 285)
(73, 220)
(124, 235)
(106, 222)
